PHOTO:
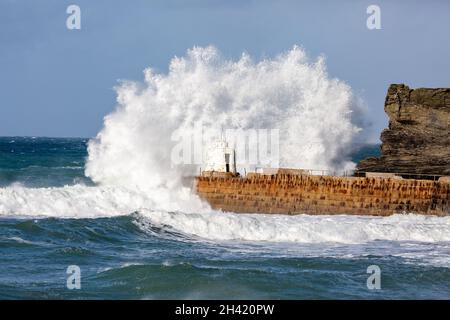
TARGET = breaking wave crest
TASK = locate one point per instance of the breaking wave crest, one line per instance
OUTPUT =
(314, 113)
(301, 228)
(129, 160)
(91, 202)
(95, 202)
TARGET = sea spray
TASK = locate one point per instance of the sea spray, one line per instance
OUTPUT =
(291, 93)
(78, 201)
(130, 159)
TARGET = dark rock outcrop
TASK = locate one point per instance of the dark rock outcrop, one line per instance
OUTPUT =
(418, 138)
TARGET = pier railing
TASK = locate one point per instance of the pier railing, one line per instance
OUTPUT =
(351, 173)
(313, 172)
(405, 175)
(357, 173)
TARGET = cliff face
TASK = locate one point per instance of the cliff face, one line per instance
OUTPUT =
(418, 137)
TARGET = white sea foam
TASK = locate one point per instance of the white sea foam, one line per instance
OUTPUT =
(91, 202)
(130, 157)
(314, 113)
(20, 240)
(302, 228)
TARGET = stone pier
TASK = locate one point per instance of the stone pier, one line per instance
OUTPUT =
(297, 194)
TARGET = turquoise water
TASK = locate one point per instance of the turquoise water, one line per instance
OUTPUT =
(148, 255)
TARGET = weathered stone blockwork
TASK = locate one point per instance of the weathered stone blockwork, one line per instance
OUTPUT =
(291, 194)
(418, 137)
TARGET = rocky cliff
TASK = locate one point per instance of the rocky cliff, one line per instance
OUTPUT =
(418, 138)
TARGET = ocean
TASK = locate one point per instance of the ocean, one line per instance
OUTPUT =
(52, 216)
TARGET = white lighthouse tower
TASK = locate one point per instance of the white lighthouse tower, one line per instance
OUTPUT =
(220, 158)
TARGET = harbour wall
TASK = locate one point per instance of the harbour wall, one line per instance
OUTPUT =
(297, 194)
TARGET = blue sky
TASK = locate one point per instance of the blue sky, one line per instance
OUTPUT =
(59, 82)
